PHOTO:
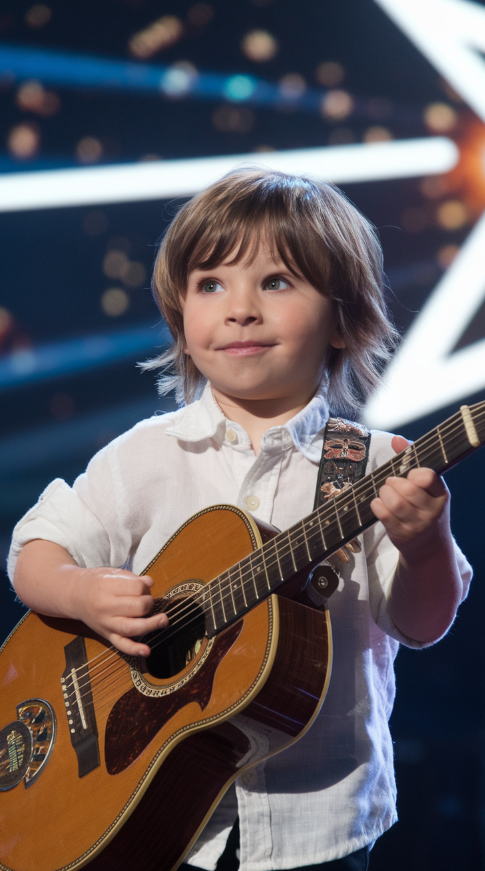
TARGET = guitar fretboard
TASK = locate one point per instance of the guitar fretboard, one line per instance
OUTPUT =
(316, 537)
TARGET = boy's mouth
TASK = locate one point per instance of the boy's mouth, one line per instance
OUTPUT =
(248, 347)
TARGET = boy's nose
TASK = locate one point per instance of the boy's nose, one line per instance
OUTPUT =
(243, 307)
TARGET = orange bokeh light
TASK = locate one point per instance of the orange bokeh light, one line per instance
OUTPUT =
(468, 177)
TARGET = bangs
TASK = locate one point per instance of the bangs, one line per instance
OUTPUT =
(279, 219)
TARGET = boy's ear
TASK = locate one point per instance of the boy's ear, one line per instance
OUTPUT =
(336, 340)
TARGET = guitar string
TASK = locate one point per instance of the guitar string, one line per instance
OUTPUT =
(283, 553)
(164, 635)
(183, 612)
(394, 460)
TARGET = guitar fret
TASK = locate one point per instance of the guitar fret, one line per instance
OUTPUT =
(241, 584)
(338, 520)
(258, 577)
(229, 586)
(299, 547)
(265, 570)
(415, 451)
(237, 591)
(321, 530)
(221, 601)
(314, 541)
(285, 558)
(372, 480)
(272, 564)
(326, 530)
(306, 542)
(291, 552)
(356, 507)
(253, 577)
(442, 445)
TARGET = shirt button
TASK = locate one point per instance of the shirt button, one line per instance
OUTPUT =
(231, 436)
(252, 502)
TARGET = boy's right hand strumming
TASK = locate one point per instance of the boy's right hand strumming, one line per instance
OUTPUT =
(113, 602)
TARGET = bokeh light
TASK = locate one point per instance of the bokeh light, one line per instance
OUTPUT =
(157, 36)
(38, 15)
(135, 274)
(292, 86)
(452, 215)
(115, 264)
(259, 46)
(239, 88)
(446, 254)
(32, 97)
(115, 302)
(23, 140)
(377, 134)
(89, 150)
(440, 118)
(337, 105)
(6, 323)
(233, 119)
(434, 186)
(179, 79)
(330, 74)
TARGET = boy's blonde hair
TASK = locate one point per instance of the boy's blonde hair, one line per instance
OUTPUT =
(315, 231)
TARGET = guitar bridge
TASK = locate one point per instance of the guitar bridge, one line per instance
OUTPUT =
(78, 700)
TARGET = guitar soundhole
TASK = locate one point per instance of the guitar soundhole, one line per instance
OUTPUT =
(174, 649)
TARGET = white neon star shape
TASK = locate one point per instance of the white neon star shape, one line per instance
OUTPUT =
(425, 375)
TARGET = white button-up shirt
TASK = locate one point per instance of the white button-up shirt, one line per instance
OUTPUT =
(333, 791)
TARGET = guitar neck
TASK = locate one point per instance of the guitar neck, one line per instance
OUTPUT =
(337, 521)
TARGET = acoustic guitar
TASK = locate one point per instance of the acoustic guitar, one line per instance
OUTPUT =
(117, 763)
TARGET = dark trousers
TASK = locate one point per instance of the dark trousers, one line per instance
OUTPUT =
(358, 861)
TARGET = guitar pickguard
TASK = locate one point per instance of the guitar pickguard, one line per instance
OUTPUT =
(135, 719)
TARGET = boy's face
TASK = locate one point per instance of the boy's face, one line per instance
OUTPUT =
(256, 331)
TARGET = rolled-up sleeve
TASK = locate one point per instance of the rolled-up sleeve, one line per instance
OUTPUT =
(61, 516)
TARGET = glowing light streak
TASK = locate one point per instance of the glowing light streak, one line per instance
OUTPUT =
(76, 355)
(177, 178)
(425, 374)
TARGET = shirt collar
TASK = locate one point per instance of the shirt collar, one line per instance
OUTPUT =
(203, 419)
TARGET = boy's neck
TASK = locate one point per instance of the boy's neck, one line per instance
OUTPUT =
(258, 416)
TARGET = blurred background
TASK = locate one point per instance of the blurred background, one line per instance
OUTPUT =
(134, 84)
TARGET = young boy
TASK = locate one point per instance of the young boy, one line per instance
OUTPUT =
(272, 288)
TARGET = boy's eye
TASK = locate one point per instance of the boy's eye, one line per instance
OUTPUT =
(276, 284)
(210, 286)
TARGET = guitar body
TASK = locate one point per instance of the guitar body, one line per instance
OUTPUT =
(117, 763)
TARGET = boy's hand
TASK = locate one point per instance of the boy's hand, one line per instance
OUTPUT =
(427, 586)
(414, 510)
(116, 604)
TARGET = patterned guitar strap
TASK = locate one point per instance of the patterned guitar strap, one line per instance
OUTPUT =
(344, 459)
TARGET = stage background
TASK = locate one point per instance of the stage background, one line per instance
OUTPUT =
(76, 311)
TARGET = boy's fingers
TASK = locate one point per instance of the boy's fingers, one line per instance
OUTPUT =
(130, 627)
(429, 481)
(399, 443)
(129, 647)
(133, 606)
